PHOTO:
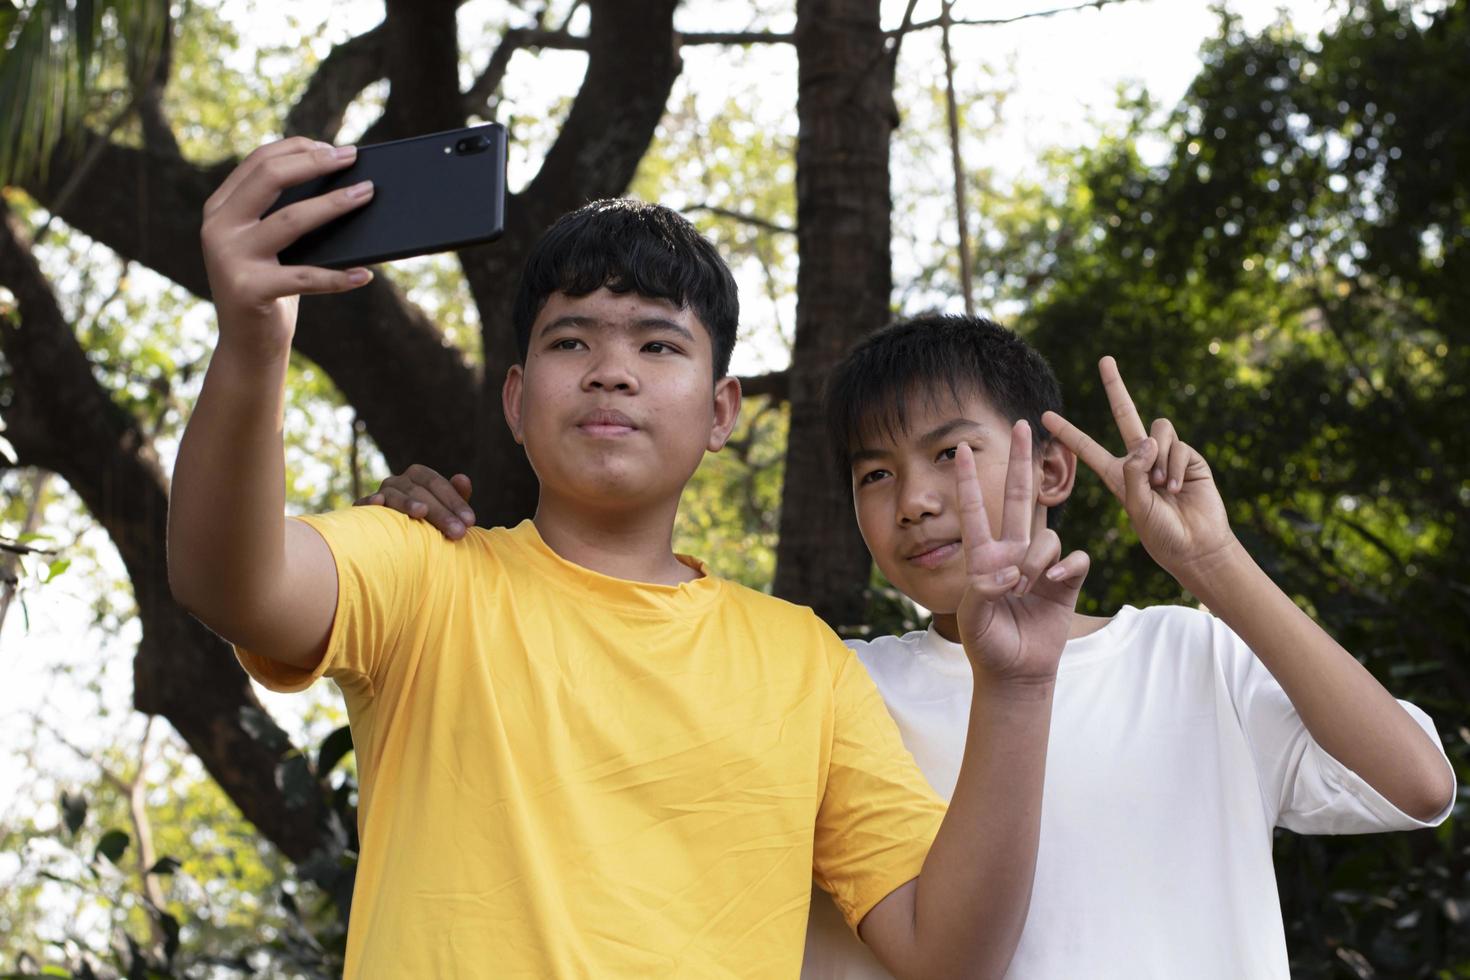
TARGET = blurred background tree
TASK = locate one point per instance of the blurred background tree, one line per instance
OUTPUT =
(1279, 262)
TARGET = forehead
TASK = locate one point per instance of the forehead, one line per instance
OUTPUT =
(921, 415)
(605, 308)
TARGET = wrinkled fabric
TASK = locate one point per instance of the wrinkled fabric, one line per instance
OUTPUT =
(1173, 754)
(565, 774)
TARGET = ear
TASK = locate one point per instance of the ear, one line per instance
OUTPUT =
(1058, 474)
(510, 400)
(727, 413)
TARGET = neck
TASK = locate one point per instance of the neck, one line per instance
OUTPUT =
(947, 625)
(633, 544)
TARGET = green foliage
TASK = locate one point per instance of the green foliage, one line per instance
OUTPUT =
(1289, 286)
(53, 53)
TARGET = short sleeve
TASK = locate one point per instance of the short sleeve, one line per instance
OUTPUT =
(878, 816)
(382, 559)
(1305, 789)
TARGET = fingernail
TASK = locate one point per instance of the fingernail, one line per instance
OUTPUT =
(1056, 573)
(1007, 575)
(1174, 485)
(344, 152)
(359, 276)
(1158, 474)
(455, 527)
(359, 190)
(1021, 585)
(467, 517)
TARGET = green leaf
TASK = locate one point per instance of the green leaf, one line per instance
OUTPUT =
(334, 747)
(73, 810)
(112, 845)
(165, 866)
(56, 568)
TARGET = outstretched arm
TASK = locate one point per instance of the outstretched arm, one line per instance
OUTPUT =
(234, 560)
(1171, 498)
(963, 915)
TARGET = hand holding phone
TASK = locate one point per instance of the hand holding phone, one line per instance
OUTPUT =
(431, 193)
(254, 294)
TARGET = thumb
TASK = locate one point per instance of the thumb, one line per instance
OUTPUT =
(1136, 469)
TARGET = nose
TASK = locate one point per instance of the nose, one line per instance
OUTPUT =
(918, 500)
(611, 371)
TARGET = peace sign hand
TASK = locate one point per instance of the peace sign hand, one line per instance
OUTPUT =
(1164, 484)
(1013, 629)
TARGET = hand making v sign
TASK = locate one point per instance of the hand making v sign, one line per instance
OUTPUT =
(1016, 610)
(1164, 484)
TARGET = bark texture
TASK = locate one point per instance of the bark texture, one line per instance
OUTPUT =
(846, 116)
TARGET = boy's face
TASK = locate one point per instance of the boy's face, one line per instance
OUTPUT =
(616, 402)
(903, 488)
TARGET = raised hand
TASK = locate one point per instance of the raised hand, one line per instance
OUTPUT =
(1016, 610)
(424, 495)
(1164, 484)
(255, 295)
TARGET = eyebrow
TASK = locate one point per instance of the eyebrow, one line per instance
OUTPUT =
(935, 434)
(647, 324)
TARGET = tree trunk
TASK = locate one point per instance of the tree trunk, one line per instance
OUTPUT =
(846, 112)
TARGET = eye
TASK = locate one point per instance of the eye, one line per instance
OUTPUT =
(660, 347)
(947, 454)
(872, 476)
(566, 343)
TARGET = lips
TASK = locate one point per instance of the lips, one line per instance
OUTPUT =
(932, 554)
(606, 422)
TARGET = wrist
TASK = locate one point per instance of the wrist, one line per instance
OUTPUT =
(1033, 689)
(1206, 575)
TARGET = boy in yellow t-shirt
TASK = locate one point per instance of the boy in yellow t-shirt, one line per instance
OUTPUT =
(580, 753)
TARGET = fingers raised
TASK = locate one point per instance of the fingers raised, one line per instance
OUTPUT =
(1020, 497)
(1130, 426)
(1084, 447)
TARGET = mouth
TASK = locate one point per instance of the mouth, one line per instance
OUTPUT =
(605, 423)
(932, 554)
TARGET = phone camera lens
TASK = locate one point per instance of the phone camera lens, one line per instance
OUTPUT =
(472, 144)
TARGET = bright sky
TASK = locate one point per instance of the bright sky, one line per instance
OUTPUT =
(1064, 71)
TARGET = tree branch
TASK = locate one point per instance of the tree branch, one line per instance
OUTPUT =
(421, 57)
(349, 68)
(773, 385)
(59, 418)
(381, 351)
(753, 220)
(998, 21)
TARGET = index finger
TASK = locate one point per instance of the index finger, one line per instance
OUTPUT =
(1084, 447)
(974, 522)
(1130, 426)
(295, 144)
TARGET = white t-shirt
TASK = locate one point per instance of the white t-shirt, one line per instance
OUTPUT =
(1173, 754)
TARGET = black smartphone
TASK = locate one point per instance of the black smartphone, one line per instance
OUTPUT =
(430, 194)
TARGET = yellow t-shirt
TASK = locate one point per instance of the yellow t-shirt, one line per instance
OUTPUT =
(564, 774)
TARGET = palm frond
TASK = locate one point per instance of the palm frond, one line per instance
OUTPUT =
(54, 51)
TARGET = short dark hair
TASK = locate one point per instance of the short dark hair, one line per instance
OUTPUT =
(931, 357)
(630, 246)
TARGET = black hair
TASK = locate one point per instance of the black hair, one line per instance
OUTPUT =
(630, 246)
(935, 357)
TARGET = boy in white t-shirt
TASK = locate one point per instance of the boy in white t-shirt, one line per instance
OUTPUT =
(1179, 738)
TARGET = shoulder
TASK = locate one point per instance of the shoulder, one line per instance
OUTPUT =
(381, 534)
(887, 649)
(795, 628)
(1182, 635)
